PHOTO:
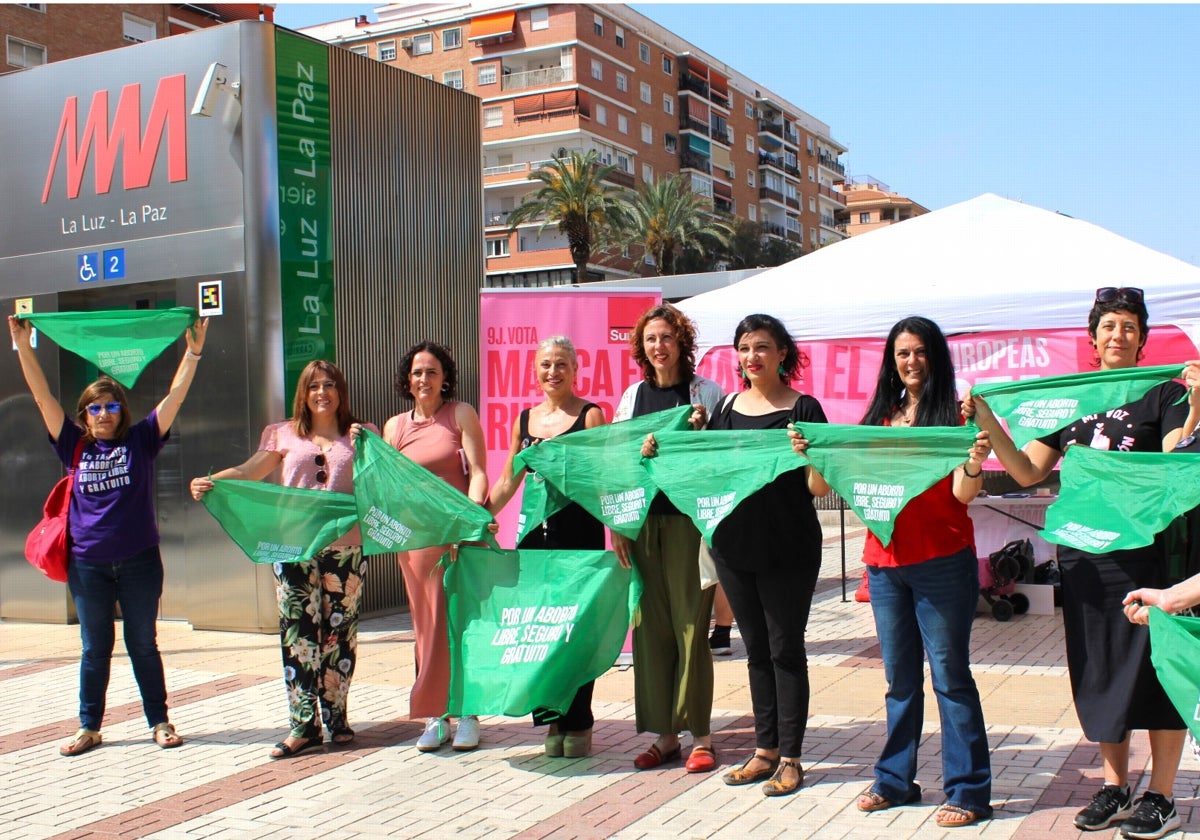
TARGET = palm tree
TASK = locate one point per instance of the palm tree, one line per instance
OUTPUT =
(667, 217)
(575, 197)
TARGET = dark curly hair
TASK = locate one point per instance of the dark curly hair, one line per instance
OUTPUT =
(440, 352)
(685, 335)
(795, 360)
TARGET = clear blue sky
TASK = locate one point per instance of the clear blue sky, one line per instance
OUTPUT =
(1090, 110)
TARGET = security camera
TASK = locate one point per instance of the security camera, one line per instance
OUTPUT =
(215, 80)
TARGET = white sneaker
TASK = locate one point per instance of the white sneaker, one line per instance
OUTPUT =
(466, 736)
(436, 733)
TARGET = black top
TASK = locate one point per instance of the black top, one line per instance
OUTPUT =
(572, 527)
(1137, 426)
(777, 523)
(649, 399)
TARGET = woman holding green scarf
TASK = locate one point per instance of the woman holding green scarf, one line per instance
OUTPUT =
(1113, 682)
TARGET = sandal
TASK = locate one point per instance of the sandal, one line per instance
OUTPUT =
(282, 750)
(166, 737)
(777, 786)
(343, 735)
(702, 760)
(654, 757)
(953, 816)
(742, 776)
(83, 741)
(871, 800)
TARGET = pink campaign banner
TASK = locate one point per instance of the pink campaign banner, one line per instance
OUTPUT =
(841, 374)
(511, 324)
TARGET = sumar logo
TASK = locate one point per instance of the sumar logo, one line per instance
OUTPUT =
(168, 116)
(623, 313)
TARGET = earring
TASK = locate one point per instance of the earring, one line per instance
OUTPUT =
(782, 373)
(742, 373)
(445, 388)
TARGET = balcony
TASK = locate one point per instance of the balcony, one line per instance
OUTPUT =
(765, 159)
(830, 162)
(768, 194)
(687, 123)
(537, 78)
(774, 230)
(793, 202)
(691, 160)
(768, 127)
(832, 194)
(621, 177)
(722, 205)
(721, 134)
(720, 98)
(688, 81)
(828, 221)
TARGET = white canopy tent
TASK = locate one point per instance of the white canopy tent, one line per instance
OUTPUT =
(984, 264)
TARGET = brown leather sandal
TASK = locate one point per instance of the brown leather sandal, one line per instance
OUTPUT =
(871, 800)
(166, 737)
(83, 741)
(953, 816)
(777, 786)
(742, 776)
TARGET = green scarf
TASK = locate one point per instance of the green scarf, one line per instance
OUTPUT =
(1155, 487)
(121, 343)
(879, 469)
(403, 506)
(600, 468)
(528, 628)
(274, 524)
(539, 501)
(1175, 650)
(1037, 407)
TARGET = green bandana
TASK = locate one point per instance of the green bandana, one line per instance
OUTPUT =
(528, 628)
(707, 475)
(878, 469)
(539, 501)
(121, 343)
(600, 469)
(403, 506)
(1037, 407)
(274, 524)
(1155, 488)
(1175, 650)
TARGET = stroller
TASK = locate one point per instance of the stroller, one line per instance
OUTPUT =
(1003, 569)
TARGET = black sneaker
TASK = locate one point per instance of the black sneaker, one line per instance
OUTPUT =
(1112, 804)
(718, 642)
(1154, 817)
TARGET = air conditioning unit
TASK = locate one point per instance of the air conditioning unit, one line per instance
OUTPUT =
(406, 43)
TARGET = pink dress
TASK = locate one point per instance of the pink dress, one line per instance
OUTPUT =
(435, 444)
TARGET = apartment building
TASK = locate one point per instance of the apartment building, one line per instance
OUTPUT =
(38, 33)
(871, 204)
(557, 78)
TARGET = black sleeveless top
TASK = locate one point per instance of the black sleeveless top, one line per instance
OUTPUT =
(572, 527)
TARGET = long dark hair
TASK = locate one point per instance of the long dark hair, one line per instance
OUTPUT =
(685, 336)
(301, 416)
(938, 404)
(794, 362)
(93, 393)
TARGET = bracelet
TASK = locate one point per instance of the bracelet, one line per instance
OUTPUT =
(970, 475)
(192, 355)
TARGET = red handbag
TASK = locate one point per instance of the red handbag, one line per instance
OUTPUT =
(46, 546)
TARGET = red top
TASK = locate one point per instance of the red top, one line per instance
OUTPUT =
(934, 524)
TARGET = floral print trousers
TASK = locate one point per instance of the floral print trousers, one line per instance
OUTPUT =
(318, 633)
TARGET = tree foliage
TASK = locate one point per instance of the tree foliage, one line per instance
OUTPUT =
(666, 218)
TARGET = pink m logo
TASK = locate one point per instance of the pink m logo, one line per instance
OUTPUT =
(168, 114)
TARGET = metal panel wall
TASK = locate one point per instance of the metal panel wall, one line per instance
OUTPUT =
(408, 239)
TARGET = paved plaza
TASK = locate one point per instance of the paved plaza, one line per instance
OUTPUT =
(228, 701)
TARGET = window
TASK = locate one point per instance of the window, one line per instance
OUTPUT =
(359, 49)
(749, 109)
(539, 18)
(668, 65)
(812, 235)
(668, 103)
(623, 164)
(497, 247)
(422, 44)
(37, 7)
(620, 36)
(810, 145)
(812, 174)
(138, 30)
(812, 204)
(487, 74)
(752, 212)
(387, 50)
(452, 38)
(453, 78)
(647, 173)
(493, 116)
(750, 143)
(601, 114)
(864, 218)
(622, 123)
(749, 177)
(647, 94)
(597, 70)
(24, 54)
(598, 25)
(670, 143)
(622, 82)
(644, 53)
(647, 133)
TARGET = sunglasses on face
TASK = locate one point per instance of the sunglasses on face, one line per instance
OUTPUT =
(322, 476)
(94, 409)
(1129, 294)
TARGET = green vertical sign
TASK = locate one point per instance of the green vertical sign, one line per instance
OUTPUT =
(305, 204)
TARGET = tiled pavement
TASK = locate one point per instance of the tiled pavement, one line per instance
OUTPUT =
(227, 700)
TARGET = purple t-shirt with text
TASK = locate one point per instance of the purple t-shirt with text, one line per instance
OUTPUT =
(112, 502)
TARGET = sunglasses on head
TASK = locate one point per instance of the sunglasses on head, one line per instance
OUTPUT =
(322, 476)
(1129, 294)
(94, 409)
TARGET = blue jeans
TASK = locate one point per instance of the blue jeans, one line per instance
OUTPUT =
(929, 607)
(96, 588)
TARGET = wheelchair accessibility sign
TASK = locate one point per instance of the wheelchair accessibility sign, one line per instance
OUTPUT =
(88, 267)
(93, 266)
